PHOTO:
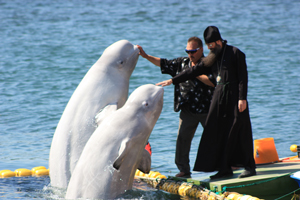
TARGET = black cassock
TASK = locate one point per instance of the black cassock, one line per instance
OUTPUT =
(227, 137)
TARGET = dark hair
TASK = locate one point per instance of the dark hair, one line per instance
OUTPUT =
(196, 39)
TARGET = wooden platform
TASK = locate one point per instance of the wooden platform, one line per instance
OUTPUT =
(272, 181)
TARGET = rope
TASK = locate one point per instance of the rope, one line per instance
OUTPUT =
(183, 188)
(295, 197)
(288, 194)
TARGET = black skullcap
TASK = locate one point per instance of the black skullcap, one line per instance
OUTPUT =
(211, 34)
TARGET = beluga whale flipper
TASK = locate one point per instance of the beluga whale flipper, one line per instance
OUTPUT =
(108, 163)
(102, 91)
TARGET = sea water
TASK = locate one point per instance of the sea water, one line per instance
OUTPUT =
(48, 46)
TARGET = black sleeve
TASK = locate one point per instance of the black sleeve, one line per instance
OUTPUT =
(170, 66)
(191, 73)
(242, 74)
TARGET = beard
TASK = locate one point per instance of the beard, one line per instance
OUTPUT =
(212, 56)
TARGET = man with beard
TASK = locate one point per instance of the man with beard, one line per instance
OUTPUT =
(192, 97)
(227, 137)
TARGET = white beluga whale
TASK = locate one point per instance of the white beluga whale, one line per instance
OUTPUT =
(110, 158)
(102, 91)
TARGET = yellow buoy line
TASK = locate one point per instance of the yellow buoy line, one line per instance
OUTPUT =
(36, 171)
(154, 178)
(159, 181)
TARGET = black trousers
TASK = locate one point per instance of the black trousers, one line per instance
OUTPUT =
(188, 123)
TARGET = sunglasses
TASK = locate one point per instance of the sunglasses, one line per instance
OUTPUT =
(192, 51)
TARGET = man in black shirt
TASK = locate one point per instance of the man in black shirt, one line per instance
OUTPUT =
(192, 97)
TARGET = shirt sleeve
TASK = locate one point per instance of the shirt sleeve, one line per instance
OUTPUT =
(170, 66)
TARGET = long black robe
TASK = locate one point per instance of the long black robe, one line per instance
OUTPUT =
(227, 137)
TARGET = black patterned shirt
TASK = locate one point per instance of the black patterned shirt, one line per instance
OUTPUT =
(192, 92)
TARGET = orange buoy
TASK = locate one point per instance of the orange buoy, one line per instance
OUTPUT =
(265, 151)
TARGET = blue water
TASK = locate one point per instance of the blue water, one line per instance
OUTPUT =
(48, 46)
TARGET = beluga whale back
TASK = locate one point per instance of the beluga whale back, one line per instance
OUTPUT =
(110, 158)
(102, 91)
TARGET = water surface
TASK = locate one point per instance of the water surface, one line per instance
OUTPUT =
(48, 46)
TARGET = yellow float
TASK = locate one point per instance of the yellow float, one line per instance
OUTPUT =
(7, 173)
(42, 172)
(33, 170)
(293, 148)
(23, 172)
(36, 171)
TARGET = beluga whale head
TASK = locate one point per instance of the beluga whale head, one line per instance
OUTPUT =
(121, 55)
(147, 102)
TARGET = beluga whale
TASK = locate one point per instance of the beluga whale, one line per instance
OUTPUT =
(103, 90)
(108, 163)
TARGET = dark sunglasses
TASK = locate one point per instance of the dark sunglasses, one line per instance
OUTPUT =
(192, 51)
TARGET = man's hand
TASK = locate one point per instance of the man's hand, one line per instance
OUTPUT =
(142, 52)
(165, 83)
(242, 105)
(154, 60)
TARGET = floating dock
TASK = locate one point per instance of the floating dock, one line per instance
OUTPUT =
(272, 181)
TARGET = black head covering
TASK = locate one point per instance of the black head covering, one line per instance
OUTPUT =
(211, 34)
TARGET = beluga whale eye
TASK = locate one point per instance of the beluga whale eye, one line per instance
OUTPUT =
(120, 62)
(145, 103)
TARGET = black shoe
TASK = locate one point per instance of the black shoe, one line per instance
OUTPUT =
(183, 175)
(247, 173)
(222, 174)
